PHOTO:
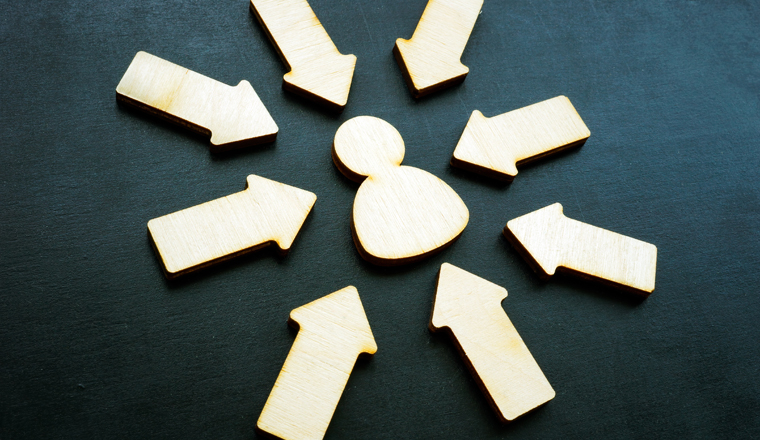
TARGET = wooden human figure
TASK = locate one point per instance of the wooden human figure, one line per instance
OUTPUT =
(401, 214)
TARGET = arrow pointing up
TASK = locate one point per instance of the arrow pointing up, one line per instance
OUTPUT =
(333, 332)
(469, 307)
(318, 71)
(235, 116)
(266, 212)
(430, 60)
(548, 240)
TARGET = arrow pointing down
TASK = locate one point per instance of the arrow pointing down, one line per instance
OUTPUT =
(469, 307)
(318, 71)
(548, 240)
(430, 60)
(266, 212)
(235, 116)
(333, 332)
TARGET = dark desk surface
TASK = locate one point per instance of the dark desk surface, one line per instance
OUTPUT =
(95, 343)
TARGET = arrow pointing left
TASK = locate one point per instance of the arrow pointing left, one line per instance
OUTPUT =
(234, 116)
(333, 332)
(266, 212)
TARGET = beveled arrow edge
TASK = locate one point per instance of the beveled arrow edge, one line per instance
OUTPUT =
(132, 103)
(273, 243)
(329, 105)
(562, 270)
(463, 354)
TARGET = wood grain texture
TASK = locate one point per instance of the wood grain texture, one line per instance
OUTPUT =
(430, 60)
(234, 116)
(400, 213)
(266, 212)
(333, 332)
(318, 71)
(548, 240)
(469, 309)
(495, 146)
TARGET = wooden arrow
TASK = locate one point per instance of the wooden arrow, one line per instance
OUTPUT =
(495, 146)
(548, 240)
(266, 212)
(318, 71)
(234, 116)
(469, 309)
(333, 332)
(430, 60)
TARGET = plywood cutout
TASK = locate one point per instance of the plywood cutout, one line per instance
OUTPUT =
(400, 214)
(318, 71)
(267, 212)
(495, 146)
(430, 60)
(548, 240)
(333, 332)
(469, 309)
(233, 116)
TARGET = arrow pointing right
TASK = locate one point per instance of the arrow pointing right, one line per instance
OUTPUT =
(235, 116)
(266, 212)
(470, 308)
(548, 240)
(319, 72)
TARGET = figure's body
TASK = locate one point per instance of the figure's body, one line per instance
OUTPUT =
(401, 213)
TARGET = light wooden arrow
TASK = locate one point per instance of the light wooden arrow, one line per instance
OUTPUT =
(469, 308)
(235, 116)
(318, 71)
(266, 212)
(495, 146)
(430, 60)
(333, 332)
(548, 240)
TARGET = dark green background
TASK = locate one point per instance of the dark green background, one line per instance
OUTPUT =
(95, 343)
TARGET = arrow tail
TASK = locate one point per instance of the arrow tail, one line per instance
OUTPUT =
(608, 256)
(312, 360)
(504, 368)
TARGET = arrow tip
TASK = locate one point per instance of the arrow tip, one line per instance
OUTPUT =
(476, 151)
(289, 208)
(343, 309)
(326, 81)
(535, 237)
(423, 69)
(457, 290)
(242, 121)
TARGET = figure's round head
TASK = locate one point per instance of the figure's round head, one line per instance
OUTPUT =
(365, 146)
